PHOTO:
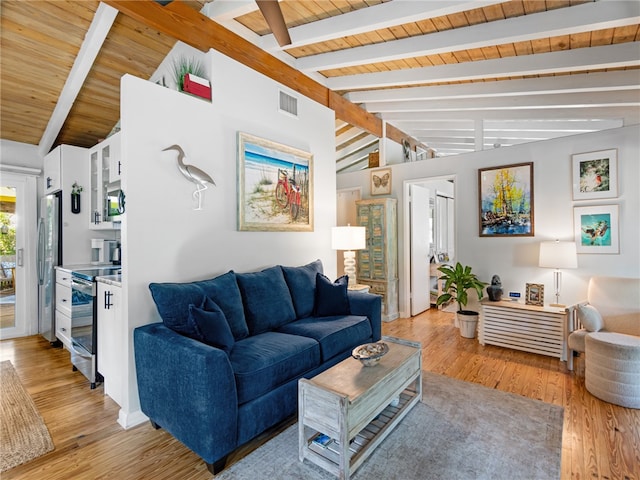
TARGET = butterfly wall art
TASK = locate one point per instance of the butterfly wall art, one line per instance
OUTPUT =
(381, 182)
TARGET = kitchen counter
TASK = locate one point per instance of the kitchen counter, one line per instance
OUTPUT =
(85, 266)
(115, 280)
(89, 272)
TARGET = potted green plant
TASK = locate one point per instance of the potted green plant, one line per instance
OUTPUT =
(457, 281)
(183, 65)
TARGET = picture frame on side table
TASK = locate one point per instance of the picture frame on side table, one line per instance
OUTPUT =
(381, 181)
(596, 229)
(275, 186)
(595, 175)
(534, 294)
(506, 201)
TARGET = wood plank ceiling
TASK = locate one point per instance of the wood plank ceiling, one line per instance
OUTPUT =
(455, 76)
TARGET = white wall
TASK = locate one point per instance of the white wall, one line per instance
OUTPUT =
(164, 238)
(20, 154)
(516, 259)
(25, 157)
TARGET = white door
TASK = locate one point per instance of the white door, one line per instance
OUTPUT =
(18, 293)
(420, 291)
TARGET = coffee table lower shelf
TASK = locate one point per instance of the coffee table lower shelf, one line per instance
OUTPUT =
(364, 442)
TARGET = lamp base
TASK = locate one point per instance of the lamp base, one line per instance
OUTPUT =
(559, 305)
(350, 266)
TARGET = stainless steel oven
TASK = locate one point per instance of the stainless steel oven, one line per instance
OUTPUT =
(83, 328)
(84, 321)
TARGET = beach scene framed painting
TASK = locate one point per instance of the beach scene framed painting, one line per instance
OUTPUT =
(506, 201)
(596, 229)
(275, 186)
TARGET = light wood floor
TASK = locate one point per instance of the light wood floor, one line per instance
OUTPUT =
(600, 440)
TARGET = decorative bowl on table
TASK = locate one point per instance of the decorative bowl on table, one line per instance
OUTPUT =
(370, 354)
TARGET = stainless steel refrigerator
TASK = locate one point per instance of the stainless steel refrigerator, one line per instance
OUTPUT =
(49, 255)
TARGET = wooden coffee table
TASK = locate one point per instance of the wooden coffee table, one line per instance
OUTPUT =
(357, 406)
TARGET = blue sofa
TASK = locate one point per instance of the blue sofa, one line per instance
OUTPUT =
(224, 364)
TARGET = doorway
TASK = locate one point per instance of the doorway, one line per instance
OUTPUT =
(18, 309)
(346, 214)
(429, 238)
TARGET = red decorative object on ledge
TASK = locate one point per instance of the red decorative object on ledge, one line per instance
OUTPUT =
(197, 86)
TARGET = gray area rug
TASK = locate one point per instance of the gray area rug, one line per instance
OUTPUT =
(23, 434)
(460, 431)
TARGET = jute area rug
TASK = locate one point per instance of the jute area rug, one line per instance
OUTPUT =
(460, 431)
(23, 434)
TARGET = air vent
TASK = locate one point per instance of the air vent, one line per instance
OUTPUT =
(288, 104)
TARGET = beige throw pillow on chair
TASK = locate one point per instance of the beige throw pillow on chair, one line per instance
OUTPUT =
(590, 318)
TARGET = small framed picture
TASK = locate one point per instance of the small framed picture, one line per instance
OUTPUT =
(596, 229)
(381, 181)
(595, 175)
(535, 294)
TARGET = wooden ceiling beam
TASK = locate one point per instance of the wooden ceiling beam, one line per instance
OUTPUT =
(183, 23)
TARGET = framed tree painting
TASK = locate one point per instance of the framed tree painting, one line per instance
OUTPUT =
(275, 186)
(596, 229)
(506, 201)
(595, 175)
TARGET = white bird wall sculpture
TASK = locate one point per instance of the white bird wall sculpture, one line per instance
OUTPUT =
(193, 174)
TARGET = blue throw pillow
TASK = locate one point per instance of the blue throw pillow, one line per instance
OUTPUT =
(224, 291)
(331, 298)
(302, 285)
(172, 301)
(211, 325)
(266, 298)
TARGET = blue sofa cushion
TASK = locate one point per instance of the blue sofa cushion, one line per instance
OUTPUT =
(331, 297)
(225, 292)
(266, 298)
(335, 334)
(172, 301)
(211, 325)
(302, 285)
(262, 362)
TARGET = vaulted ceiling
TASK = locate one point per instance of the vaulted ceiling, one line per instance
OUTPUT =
(450, 76)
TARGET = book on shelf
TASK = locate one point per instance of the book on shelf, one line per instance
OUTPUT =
(322, 440)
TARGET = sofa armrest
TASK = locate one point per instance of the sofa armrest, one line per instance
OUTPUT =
(369, 305)
(188, 388)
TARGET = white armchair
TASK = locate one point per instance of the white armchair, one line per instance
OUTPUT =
(607, 325)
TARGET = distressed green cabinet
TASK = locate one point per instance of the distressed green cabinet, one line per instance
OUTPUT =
(378, 262)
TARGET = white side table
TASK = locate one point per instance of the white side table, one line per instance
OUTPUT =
(530, 328)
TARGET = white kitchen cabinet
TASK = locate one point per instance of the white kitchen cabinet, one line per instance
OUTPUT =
(111, 338)
(105, 177)
(112, 157)
(63, 166)
(63, 307)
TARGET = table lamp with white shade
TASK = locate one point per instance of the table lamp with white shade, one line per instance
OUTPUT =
(557, 254)
(349, 239)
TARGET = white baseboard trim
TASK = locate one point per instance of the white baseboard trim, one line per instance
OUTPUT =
(132, 419)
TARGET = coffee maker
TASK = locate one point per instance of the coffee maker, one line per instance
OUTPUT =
(103, 251)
